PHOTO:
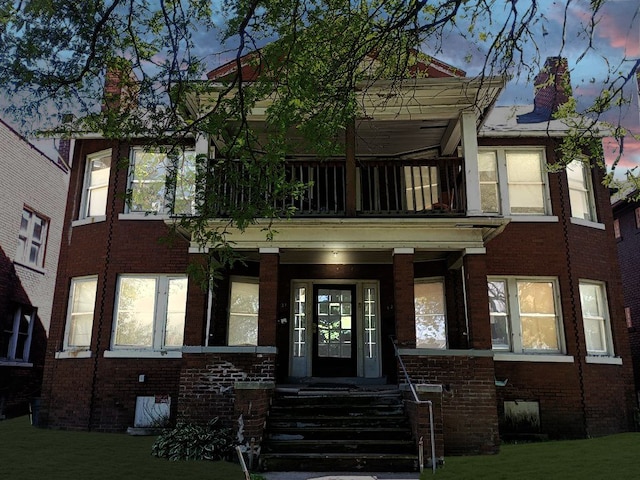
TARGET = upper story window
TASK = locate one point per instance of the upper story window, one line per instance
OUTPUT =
(82, 301)
(595, 315)
(524, 315)
(150, 312)
(244, 302)
(513, 181)
(616, 228)
(161, 182)
(96, 185)
(15, 337)
(32, 239)
(581, 190)
(637, 217)
(430, 313)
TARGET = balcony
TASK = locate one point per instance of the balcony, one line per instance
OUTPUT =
(381, 188)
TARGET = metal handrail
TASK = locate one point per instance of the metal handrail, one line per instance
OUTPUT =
(417, 400)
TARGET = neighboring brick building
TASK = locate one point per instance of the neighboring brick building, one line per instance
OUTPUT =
(33, 191)
(626, 213)
(494, 276)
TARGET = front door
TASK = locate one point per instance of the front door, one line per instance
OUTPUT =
(334, 331)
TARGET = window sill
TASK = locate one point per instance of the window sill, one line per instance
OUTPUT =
(15, 363)
(534, 218)
(143, 216)
(33, 268)
(232, 349)
(603, 360)
(142, 353)
(74, 354)
(88, 220)
(587, 223)
(532, 357)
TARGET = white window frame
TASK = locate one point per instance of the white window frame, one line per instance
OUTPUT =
(584, 190)
(160, 310)
(12, 351)
(88, 188)
(27, 239)
(503, 183)
(603, 318)
(71, 314)
(513, 315)
(165, 204)
(440, 281)
(230, 313)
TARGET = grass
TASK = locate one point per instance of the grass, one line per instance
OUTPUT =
(615, 457)
(29, 453)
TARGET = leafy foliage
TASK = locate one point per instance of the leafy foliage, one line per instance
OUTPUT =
(194, 442)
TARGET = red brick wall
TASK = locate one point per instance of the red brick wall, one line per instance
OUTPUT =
(207, 390)
(469, 414)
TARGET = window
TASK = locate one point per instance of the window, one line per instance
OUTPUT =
(513, 181)
(616, 228)
(430, 314)
(96, 185)
(17, 330)
(637, 217)
(243, 312)
(161, 182)
(82, 300)
(150, 312)
(488, 170)
(627, 316)
(580, 190)
(31, 239)
(595, 315)
(526, 184)
(524, 315)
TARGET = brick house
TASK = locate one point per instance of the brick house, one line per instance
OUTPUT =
(33, 191)
(626, 214)
(441, 230)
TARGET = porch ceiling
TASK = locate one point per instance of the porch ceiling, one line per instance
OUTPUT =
(412, 118)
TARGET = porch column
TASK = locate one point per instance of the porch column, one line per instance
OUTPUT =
(268, 291)
(475, 271)
(472, 176)
(403, 297)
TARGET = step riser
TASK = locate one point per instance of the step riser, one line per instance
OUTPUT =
(341, 435)
(336, 464)
(350, 448)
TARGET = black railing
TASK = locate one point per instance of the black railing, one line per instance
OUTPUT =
(384, 187)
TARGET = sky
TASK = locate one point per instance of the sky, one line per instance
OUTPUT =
(615, 47)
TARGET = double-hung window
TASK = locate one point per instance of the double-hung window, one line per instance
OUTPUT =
(82, 301)
(244, 302)
(32, 239)
(150, 312)
(162, 182)
(430, 313)
(15, 337)
(581, 190)
(96, 185)
(513, 181)
(524, 315)
(595, 316)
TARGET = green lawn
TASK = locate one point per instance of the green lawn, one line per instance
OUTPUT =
(29, 453)
(616, 457)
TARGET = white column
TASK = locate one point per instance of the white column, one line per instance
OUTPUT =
(470, 148)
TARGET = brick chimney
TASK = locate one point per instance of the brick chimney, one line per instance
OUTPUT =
(120, 87)
(552, 88)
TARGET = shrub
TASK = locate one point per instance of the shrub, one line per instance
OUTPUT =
(194, 442)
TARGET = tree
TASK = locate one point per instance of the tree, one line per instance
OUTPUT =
(311, 55)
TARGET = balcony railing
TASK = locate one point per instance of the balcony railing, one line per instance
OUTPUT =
(390, 187)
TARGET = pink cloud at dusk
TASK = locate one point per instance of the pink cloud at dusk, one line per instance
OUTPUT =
(630, 157)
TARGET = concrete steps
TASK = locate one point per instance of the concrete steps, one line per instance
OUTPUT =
(338, 429)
